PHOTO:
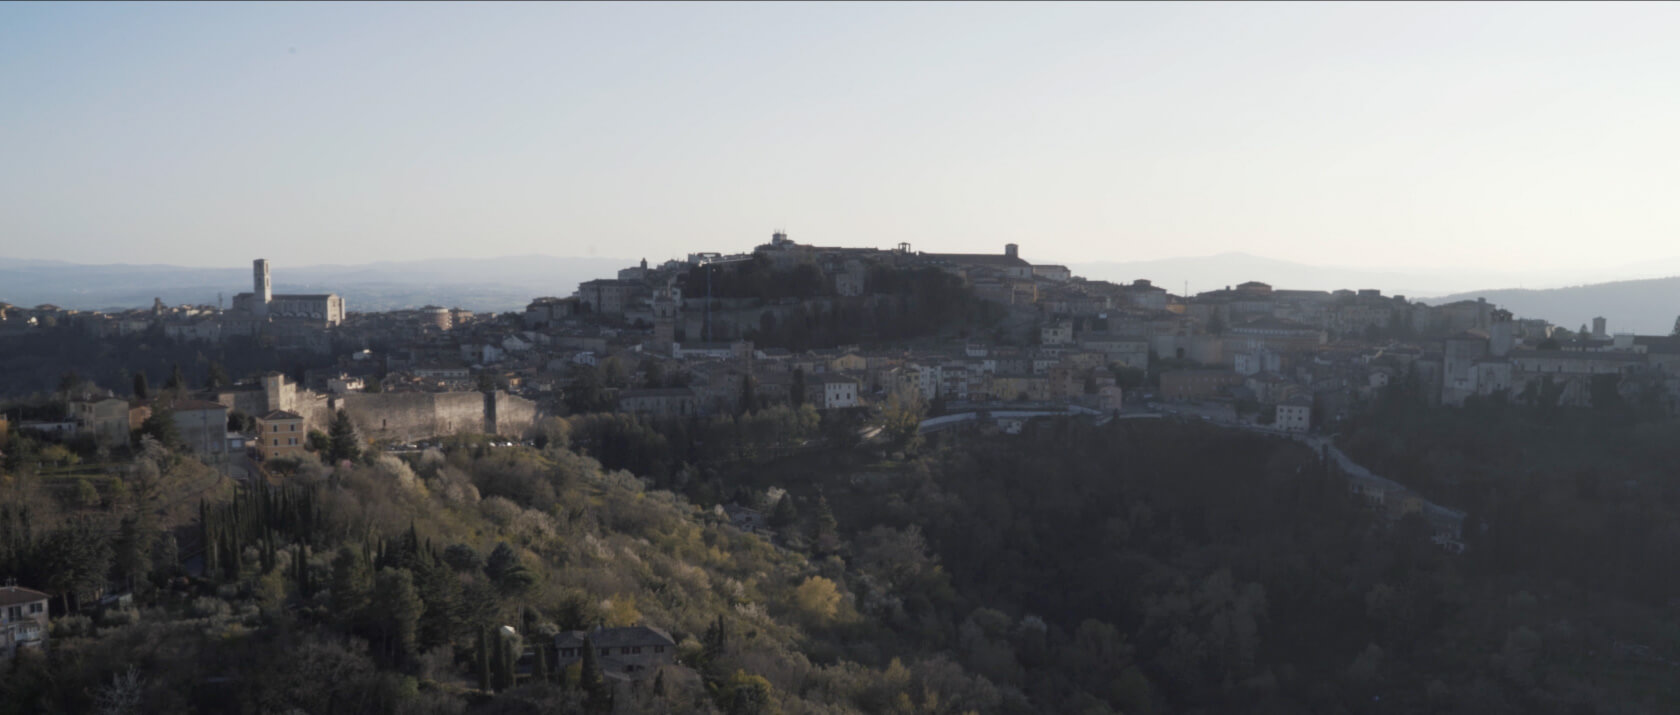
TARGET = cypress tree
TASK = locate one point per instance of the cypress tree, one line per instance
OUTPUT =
(205, 538)
(715, 639)
(483, 661)
(510, 662)
(300, 560)
(177, 381)
(590, 679)
(498, 662)
(539, 668)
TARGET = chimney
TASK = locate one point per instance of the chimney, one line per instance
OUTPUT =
(1011, 250)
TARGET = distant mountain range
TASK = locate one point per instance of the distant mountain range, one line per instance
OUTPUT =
(1646, 306)
(1204, 273)
(478, 284)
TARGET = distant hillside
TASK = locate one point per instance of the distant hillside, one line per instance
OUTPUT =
(1206, 273)
(486, 284)
(1646, 307)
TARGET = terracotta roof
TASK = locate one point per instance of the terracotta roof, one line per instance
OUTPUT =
(615, 637)
(195, 405)
(14, 595)
(280, 415)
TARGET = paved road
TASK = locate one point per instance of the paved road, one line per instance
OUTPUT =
(1353, 469)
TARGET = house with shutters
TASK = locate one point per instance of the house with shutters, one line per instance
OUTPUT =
(281, 435)
(623, 653)
(23, 619)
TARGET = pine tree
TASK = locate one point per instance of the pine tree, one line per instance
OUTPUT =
(783, 515)
(217, 376)
(826, 538)
(342, 438)
(177, 381)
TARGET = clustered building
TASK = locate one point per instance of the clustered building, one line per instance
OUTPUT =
(302, 322)
(665, 344)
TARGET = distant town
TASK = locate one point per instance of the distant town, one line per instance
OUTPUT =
(682, 336)
(981, 340)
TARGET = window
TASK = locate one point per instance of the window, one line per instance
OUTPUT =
(636, 649)
(276, 441)
(37, 607)
(659, 649)
(294, 426)
(14, 613)
(624, 650)
(606, 651)
(276, 428)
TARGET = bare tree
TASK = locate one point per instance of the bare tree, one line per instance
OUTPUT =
(122, 696)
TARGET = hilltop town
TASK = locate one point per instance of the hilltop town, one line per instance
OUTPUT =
(865, 337)
(854, 328)
(813, 409)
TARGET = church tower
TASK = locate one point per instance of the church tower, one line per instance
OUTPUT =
(262, 291)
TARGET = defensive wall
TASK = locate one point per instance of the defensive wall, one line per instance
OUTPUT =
(412, 416)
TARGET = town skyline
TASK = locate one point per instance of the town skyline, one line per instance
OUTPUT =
(1634, 297)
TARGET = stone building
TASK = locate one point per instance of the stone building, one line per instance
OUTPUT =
(658, 402)
(203, 427)
(623, 653)
(106, 419)
(322, 309)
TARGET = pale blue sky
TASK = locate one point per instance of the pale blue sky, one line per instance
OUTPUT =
(1524, 136)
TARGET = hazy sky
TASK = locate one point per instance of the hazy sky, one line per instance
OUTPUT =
(1529, 136)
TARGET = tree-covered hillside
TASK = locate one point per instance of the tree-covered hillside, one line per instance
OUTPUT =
(1142, 566)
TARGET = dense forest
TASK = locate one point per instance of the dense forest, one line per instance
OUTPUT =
(1142, 566)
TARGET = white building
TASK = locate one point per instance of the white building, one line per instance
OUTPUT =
(839, 392)
(1295, 415)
